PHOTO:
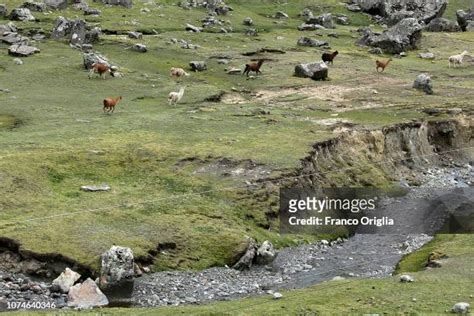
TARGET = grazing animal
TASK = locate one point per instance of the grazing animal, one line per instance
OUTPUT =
(329, 57)
(382, 64)
(110, 103)
(101, 69)
(175, 97)
(255, 67)
(457, 59)
(178, 73)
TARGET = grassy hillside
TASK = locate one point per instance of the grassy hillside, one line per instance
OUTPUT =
(164, 163)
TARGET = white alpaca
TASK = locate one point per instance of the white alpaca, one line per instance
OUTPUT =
(178, 73)
(175, 97)
(457, 59)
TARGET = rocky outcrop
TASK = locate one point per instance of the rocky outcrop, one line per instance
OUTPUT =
(443, 25)
(423, 82)
(86, 295)
(76, 31)
(393, 11)
(405, 35)
(117, 273)
(315, 71)
(465, 19)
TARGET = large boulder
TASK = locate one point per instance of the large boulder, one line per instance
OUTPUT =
(3, 10)
(393, 11)
(56, 4)
(124, 3)
(65, 280)
(325, 20)
(401, 37)
(245, 262)
(94, 57)
(315, 71)
(21, 14)
(265, 253)
(34, 6)
(442, 25)
(141, 48)
(423, 82)
(13, 38)
(117, 273)
(465, 18)
(7, 28)
(21, 50)
(86, 295)
(310, 42)
(198, 65)
(76, 31)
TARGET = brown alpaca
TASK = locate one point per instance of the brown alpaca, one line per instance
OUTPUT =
(382, 64)
(110, 103)
(329, 57)
(255, 67)
(101, 69)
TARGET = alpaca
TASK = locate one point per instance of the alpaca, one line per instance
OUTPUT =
(178, 73)
(329, 57)
(253, 67)
(175, 97)
(101, 69)
(457, 59)
(382, 64)
(110, 103)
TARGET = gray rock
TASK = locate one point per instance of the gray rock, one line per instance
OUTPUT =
(234, 71)
(470, 26)
(7, 28)
(353, 7)
(423, 82)
(65, 280)
(376, 51)
(86, 295)
(461, 308)
(342, 19)
(56, 4)
(18, 61)
(277, 296)
(265, 253)
(247, 21)
(21, 14)
(192, 28)
(325, 20)
(76, 31)
(22, 50)
(124, 3)
(310, 27)
(428, 55)
(401, 37)
(251, 32)
(92, 11)
(443, 25)
(117, 273)
(280, 15)
(135, 35)
(245, 262)
(13, 38)
(464, 17)
(95, 188)
(315, 71)
(34, 6)
(306, 13)
(198, 65)
(405, 278)
(3, 10)
(394, 11)
(310, 42)
(141, 48)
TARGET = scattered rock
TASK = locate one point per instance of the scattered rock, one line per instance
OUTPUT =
(92, 11)
(265, 253)
(325, 20)
(280, 15)
(3, 10)
(423, 82)
(94, 57)
(247, 21)
(124, 3)
(277, 296)
(465, 18)
(139, 48)
(96, 188)
(353, 7)
(310, 42)
(14, 38)
(198, 65)
(234, 71)
(135, 35)
(86, 295)
(192, 28)
(405, 278)
(399, 38)
(306, 13)
(310, 27)
(21, 14)
(443, 25)
(245, 262)
(251, 32)
(429, 56)
(461, 308)
(434, 264)
(34, 6)
(117, 273)
(76, 31)
(22, 50)
(18, 61)
(65, 280)
(315, 71)
(376, 51)
(56, 4)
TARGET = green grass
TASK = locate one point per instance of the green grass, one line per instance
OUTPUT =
(62, 140)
